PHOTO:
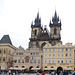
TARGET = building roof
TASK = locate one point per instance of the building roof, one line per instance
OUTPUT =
(6, 39)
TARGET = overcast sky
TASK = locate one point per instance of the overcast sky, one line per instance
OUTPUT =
(16, 17)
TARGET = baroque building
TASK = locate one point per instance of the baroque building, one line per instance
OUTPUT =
(58, 57)
(45, 50)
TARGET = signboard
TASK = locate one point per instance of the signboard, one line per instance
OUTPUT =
(2, 67)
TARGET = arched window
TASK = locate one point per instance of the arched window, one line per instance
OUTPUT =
(55, 31)
(35, 32)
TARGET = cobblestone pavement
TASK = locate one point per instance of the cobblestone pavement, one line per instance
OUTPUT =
(26, 74)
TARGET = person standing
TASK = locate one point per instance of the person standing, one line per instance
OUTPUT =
(9, 72)
(65, 72)
(43, 73)
(37, 73)
(61, 73)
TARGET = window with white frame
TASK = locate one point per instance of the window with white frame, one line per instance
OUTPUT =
(38, 61)
(62, 49)
(70, 49)
(45, 54)
(49, 54)
(70, 54)
(30, 61)
(62, 55)
(58, 61)
(58, 55)
(50, 50)
(58, 49)
(53, 61)
(62, 61)
(66, 61)
(45, 61)
(49, 61)
(70, 61)
(35, 61)
(53, 55)
(45, 50)
(53, 49)
(66, 55)
(66, 49)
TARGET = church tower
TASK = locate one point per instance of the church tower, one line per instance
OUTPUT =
(55, 28)
(36, 28)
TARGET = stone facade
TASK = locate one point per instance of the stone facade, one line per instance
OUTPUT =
(6, 55)
(37, 54)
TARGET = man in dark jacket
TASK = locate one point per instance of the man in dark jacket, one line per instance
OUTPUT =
(65, 72)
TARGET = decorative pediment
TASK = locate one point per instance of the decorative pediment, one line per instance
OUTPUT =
(47, 45)
(58, 45)
(68, 44)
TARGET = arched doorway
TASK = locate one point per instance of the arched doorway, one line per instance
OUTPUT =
(59, 69)
(30, 67)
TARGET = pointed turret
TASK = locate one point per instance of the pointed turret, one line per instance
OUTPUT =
(55, 28)
(55, 21)
(36, 28)
(37, 22)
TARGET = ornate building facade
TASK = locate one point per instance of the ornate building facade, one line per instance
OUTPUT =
(58, 57)
(40, 40)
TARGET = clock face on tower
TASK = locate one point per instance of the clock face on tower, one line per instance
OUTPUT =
(44, 31)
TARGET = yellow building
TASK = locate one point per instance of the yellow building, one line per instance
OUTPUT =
(58, 57)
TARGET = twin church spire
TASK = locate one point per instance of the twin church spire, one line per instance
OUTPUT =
(37, 22)
(55, 21)
(38, 33)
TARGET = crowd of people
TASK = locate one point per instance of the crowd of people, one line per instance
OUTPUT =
(65, 72)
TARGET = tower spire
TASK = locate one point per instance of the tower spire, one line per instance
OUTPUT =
(55, 19)
(37, 21)
(55, 15)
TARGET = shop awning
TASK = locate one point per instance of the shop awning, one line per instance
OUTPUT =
(68, 68)
(14, 68)
(35, 68)
(19, 68)
(49, 68)
(11, 68)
